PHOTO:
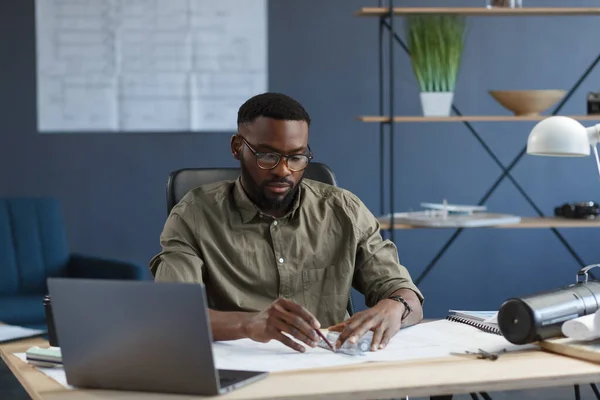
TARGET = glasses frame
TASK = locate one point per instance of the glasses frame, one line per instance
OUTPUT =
(280, 156)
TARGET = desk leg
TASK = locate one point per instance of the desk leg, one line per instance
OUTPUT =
(596, 391)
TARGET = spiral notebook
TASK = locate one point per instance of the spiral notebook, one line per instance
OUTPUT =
(487, 321)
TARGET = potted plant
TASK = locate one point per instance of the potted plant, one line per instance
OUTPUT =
(436, 44)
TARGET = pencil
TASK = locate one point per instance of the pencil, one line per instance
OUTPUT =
(325, 339)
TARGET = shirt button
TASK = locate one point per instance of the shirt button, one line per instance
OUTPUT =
(274, 223)
(281, 260)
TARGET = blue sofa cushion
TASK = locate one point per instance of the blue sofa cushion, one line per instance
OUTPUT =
(24, 310)
(33, 245)
(90, 267)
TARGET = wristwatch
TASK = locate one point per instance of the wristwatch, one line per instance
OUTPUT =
(407, 308)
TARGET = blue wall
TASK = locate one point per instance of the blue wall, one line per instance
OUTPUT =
(112, 185)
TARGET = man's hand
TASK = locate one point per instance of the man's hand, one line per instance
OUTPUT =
(384, 319)
(284, 316)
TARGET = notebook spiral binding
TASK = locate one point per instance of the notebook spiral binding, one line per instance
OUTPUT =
(479, 325)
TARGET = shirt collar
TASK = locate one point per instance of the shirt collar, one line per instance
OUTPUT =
(248, 210)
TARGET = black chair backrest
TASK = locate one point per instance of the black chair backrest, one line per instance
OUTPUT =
(183, 180)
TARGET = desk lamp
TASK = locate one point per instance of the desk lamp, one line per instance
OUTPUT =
(563, 137)
(540, 316)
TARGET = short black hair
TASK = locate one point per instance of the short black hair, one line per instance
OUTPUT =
(272, 105)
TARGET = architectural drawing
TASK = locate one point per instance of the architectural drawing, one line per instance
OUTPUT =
(148, 65)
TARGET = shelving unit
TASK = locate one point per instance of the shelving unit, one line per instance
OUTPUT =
(385, 13)
(526, 223)
(473, 118)
(478, 11)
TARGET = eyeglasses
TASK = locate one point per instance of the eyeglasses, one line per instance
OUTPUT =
(294, 162)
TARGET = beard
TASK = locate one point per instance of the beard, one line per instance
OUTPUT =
(258, 193)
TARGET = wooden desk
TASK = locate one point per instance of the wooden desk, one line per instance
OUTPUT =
(455, 374)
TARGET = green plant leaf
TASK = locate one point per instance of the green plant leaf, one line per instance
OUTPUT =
(436, 44)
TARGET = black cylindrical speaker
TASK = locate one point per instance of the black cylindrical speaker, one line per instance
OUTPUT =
(540, 316)
(52, 337)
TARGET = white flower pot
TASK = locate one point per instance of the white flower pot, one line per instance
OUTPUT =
(436, 104)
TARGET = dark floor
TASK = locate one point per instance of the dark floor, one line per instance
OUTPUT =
(10, 388)
(557, 393)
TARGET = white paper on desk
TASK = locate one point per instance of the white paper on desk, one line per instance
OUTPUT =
(247, 355)
(12, 332)
(583, 328)
(429, 340)
(56, 373)
(423, 341)
(440, 339)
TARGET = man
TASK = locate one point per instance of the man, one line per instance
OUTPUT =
(278, 254)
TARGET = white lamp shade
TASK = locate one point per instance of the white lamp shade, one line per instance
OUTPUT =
(558, 136)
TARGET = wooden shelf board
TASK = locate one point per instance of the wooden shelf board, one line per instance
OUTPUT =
(473, 118)
(480, 11)
(526, 222)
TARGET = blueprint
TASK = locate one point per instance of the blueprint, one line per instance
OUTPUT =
(436, 339)
(148, 65)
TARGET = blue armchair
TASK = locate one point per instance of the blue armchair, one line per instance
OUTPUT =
(33, 247)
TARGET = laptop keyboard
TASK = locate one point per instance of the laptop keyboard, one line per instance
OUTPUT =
(227, 380)
(230, 378)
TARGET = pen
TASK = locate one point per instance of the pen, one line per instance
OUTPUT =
(325, 339)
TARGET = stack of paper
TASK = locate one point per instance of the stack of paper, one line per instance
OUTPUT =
(44, 356)
(485, 320)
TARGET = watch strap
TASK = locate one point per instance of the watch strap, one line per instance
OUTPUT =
(407, 308)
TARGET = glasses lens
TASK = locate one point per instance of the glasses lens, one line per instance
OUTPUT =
(267, 160)
(297, 163)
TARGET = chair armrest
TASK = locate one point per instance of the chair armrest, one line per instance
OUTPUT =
(83, 266)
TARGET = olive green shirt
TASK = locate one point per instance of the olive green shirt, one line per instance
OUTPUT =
(328, 242)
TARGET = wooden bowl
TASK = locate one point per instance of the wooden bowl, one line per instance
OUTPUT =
(527, 102)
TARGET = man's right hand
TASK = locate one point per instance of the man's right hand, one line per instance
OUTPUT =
(284, 316)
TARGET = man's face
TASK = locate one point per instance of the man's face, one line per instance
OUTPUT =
(271, 189)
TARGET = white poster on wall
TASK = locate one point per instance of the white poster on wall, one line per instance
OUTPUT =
(148, 65)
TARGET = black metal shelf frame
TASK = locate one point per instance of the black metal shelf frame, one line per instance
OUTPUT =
(386, 25)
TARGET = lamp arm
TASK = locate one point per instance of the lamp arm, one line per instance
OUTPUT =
(593, 133)
(594, 137)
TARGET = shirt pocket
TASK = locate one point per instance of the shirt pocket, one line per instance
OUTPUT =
(325, 292)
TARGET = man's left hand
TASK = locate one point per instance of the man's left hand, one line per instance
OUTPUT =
(384, 319)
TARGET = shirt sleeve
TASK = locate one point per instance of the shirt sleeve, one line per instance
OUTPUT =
(180, 259)
(378, 272)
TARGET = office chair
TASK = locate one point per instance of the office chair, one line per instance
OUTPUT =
(183, 180)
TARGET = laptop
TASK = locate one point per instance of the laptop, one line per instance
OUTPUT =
(139, 336)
